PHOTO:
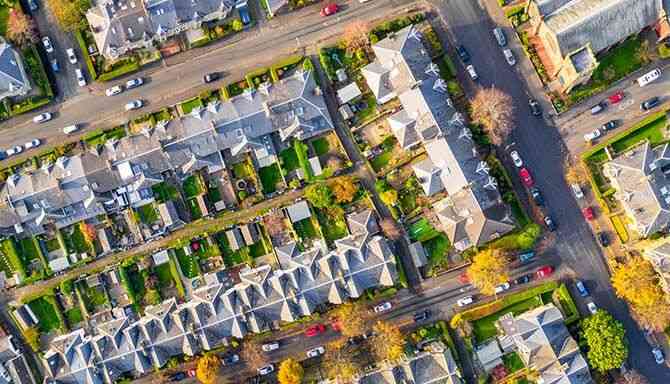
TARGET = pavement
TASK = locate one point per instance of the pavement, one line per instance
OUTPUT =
(543, 150)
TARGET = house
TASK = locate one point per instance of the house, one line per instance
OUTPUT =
(298, 211)
(215, 313)
(161, 257)
(573, 32)
(315, 165)
(93, 281)
(106, 239)
(235, 240)
(642, 187)
(170, 17)
(418, 253)
(658, 254)
(473, 211)
(168, 214)
(348, 93)
(13, 78)
(544, 344)
(25, 316)
(14, 368)
(434, 365)
(489, 355)
(249, 233)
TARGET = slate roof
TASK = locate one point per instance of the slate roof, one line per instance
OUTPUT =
(13, 78)
(215, 313)
(544, 344)
(168, 15)
(298, 211)
(642, 186)
(659, 256)
(474, 212)
(118, 25)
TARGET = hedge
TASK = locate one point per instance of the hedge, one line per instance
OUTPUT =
(29, 104)
(10, 252)
(35, 67)
(87, 58)
(565, 299)
(132, 65)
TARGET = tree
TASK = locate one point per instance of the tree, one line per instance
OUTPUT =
(253, 355)
(638, 283)
(207, 370)
(320, 195)
(573, 173)
(339, 362)
(344, 189)
(493, 109)
(389, 197)
(355, 36)
(488, 270)
(645, 53)
(352, 318)
(390, 228)
(290, 372)
(20, 28)
(69, 14)
(388, 342)
(32, 336)
(88, 230)
(237, 25)
(632, 377)
(605, 339)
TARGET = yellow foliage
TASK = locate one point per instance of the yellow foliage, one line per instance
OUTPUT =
(488, 270)
(388, 342)
(207, 371)
(290, 372)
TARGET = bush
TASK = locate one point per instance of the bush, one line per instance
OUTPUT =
(123, 67)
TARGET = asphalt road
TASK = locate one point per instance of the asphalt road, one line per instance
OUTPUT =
(180, 77)
(543, 151)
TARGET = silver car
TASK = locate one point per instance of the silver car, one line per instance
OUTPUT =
(509, 56)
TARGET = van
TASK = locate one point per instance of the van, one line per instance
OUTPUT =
(500, 36)
(70, 129)
(649, 77)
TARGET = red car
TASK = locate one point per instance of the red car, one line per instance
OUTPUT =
(588, 213)
(315, 329)
(615, 98)
(544, 271)
(191, 373)
(329, 9)
(526, 177)
(463, 278)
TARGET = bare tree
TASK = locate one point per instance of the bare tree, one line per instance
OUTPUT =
(20, 28)
(339, 362)
(388, 343)
(493, 109)
(390, 229)
(253, 355)
(574, 174)
(355, 36)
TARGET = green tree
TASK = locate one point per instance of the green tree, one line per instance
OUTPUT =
(237, 25)
(320, 195)
(389, 197)
(290, 372)
(605, 338)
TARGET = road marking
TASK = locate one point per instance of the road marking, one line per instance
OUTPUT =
(626, 104)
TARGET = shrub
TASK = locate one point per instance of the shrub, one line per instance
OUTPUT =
(123, 67)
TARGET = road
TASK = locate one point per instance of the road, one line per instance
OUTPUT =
(180, 77)
(543, 150)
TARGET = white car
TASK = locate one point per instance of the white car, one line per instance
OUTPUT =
(314, 352)
(81, 80)
(71, 56)
(383, 307)
(463, 301)
(34, 143)
(509, 56)
(133, 83)
(268, 369)
(589, 137)
(516, 159)
(135, 104)
(502, 287)
(269, 347)
(471, 71)
(592, 307)
(14, 150)
(46, 42)
(115, 90)
(658, 355)
(41, 118)
(577, 190)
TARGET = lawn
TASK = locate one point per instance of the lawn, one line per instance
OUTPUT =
(513, 362)
(652, 131)
(241, 170)
(93, 297)
(437, 249)
(164, 192)
(147, 213)
(189, 105)
(305, 229)
(76, 242)
(187, 263)
(379, 162)
(370, 110)
(164, 275)
(74, 316)
(46, 314)
(303, 160)
(270, 176)
(28, 249)
(332, 228)
(321, 146)
(193, 186)
(484, 328)
(422, 230)
(195, 209)
(289, 159)
(258, 249)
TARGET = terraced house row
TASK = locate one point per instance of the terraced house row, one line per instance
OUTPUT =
(130, 346)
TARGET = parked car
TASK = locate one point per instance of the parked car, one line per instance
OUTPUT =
(315, 352)
(534, 107)
(315, 330)
(590, 136)
(72, 58)
(46, 42)
(650, 103)
(421, 316)
(383, 307)
(54, 65)
(526, 178)
(537, 196)
(509, 57)
(609, 125)
(34, 143)
(329, 9)
(115, 90)
(549, 222)
(243, 10)
(32, 5)
(588, 213)
(42, 117)
(596, 109)
(577, 190)
(463, 53)
(81, 80)
(581, 288)
(516, 159)
(502, 288)
(592, 307)
(616, 97)
(544, 271)
(134, 83)
(659, 358)
(135, 104)
(649, 77)
(463, 301)
(230, 359)
(178, 376)
(211, 77)
(500, 36)
(14, 150)
(266, 370)
(525, 279)
(71, 129)
(526, 257)
(269, 347)
(471, 71)
(603, 239)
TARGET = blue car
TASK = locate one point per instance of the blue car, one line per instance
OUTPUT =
(243, 10)
(54, 65)
(583, 292)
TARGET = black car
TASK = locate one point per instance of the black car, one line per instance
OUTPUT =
(421, 316)
(534, 107)
(650, 103)
(211, 77)
(230, 359)
(463, 53)
(3, 155)
(179, 376)
(609, 125)
(550, 223)
(522, 279)
(537, 196)
(603, 239)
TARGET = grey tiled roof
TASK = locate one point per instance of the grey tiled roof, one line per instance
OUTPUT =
(13, 78)
(118, 26)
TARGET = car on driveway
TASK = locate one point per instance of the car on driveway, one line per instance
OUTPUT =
(537, 196)
(549, 222)
(516, 159)
(421, 316)
(616, 97)
(659, 358)
(502, 288)
(463, 53)
(471, 71)
(71, 57)
(115, 90)
(134, 83)
(609, 125)
(34, 143)
(46, 42)
(14, 150)
(593, 308)
(581, 288)
(42, 117)
(650, 103)
(134, 104)
(329, 9)
(463, 301)
(269, 347)
(509, 57)
(81, 80)
(230, 359)
(544, 271)
(526, 178)
(54, 65)
(315, 352)
(603, 239)
(588, 213)
(266, 370)
(590, 136)
(315, 330)
(383, 307)
(534, 107)
(32, 4)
